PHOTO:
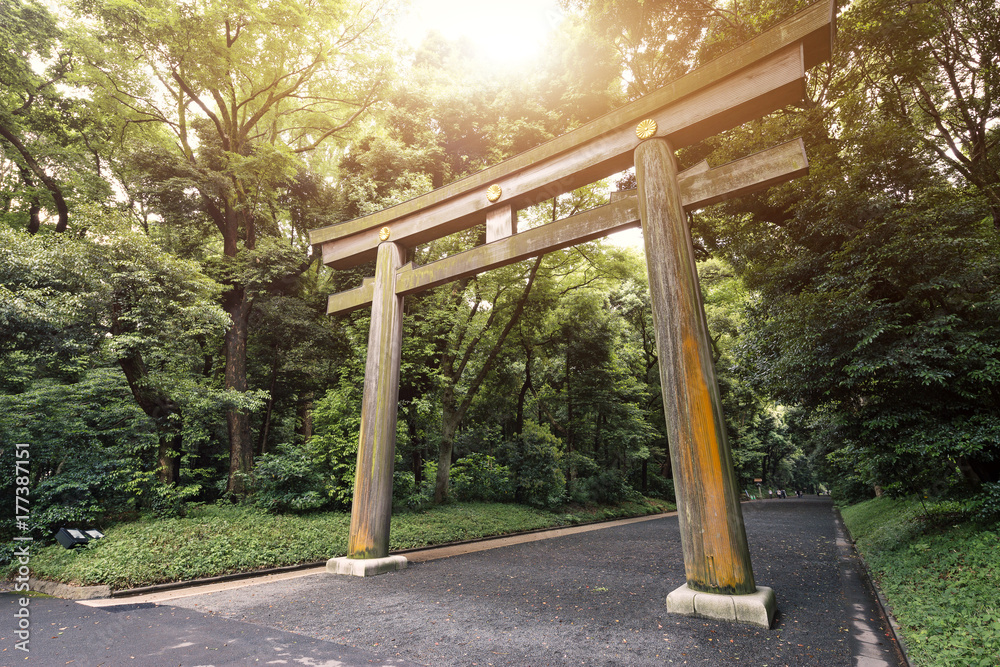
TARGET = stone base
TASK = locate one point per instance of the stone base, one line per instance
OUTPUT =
(756, 608)
(365, 567)
(67, 592)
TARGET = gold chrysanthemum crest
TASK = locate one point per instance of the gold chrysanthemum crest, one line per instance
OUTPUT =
(645, 129)
(383, 234)
(493, 192)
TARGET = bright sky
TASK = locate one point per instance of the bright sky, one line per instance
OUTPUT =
(508, 32)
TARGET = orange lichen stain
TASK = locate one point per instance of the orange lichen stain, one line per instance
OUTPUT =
(720, 569)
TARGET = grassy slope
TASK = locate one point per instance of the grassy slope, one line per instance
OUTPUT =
(218, 540)
(941, 576)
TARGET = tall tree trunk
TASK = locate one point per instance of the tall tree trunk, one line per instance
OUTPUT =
(236, 303)
(265, 429)
(157, 405)
(450, 419)
(454, 411)
(34, 207)
(169, 458)
(522, 396)
(417, 457)
(304, 423)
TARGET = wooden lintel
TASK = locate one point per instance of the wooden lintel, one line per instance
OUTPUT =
(699, 187)
(752, 80)
(570, 231)
(345, 302)
(763, 86)
(698, 168)
(739, 177)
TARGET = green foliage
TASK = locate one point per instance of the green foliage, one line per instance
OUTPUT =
(86, 440)
(479, 477)
(334, 445)
(937, 572)
(288, 480)
(534, 458)
(603, 487)
(404, 491)
(50, 133)
(987, 504)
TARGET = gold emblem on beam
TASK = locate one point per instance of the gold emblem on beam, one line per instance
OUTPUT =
(645, 129)
(493, 193)
(383, 234)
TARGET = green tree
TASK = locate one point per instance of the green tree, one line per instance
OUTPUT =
(873, 279)
(452, 122)
(51, 142)
(246, 93)
(932, 68)
(75, 305)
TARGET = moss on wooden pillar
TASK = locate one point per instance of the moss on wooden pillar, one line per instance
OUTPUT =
(372, 508)
(713, 538)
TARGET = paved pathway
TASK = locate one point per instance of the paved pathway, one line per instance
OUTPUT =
(586, 598)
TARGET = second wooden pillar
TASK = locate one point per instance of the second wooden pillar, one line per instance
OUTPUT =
(713, 538)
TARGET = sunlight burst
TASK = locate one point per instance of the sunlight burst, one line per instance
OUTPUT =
(507, 33)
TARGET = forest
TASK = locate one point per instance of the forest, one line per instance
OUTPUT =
(164, 333)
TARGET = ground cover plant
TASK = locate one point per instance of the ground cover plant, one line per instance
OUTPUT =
(218, 539)
(938, 567)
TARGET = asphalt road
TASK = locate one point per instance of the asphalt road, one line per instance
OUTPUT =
(593, 598)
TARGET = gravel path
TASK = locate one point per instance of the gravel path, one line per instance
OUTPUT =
(594, 598)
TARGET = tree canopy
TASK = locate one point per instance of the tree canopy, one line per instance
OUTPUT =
(165, 336)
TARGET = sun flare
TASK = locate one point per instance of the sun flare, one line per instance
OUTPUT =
(507, 33)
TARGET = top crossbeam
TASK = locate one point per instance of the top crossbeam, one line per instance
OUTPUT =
(760, 76)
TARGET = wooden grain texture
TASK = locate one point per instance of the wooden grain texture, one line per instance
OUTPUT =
(564, 233)
(345, 302)
(713, 538)
(500, 223)
(756, 172)
(699, 186)
(372, 508)
(811, 29)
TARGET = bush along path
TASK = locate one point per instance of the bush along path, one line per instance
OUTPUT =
(219, 540)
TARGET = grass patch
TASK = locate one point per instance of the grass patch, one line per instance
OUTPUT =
(940, 574)
(218, 539)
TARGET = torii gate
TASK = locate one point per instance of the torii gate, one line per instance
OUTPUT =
(757, 78)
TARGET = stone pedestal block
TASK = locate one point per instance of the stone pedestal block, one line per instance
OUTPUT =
(755, 608)
(365, 567)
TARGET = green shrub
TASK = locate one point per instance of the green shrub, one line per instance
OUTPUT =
(986, 505)
(606, 487)
(535, 459)
(479, 477)
(288, 480)
(660, 487)
(334, 445)
(171, 501)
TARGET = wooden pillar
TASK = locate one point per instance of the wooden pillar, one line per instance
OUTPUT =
(716, 556)
(372, 509)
